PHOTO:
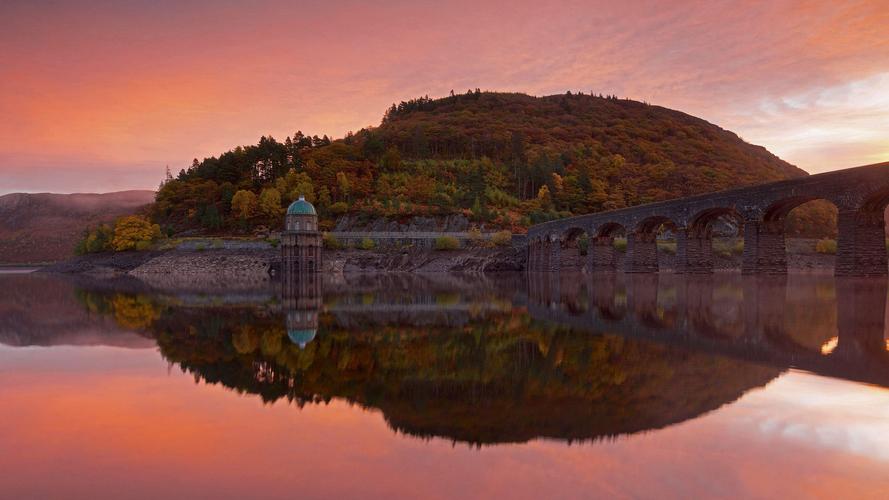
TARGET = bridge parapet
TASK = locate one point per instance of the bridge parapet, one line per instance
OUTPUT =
(860, 195)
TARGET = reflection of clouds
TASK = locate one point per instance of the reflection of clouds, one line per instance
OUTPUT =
(821, 412)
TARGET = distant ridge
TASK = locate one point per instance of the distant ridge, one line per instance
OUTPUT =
(43, 227)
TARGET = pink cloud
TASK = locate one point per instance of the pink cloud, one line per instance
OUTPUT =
(149, 84)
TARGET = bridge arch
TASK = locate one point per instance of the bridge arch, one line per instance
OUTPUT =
(603, 256)
(642, 243)
(574, 255)
(765, 248)
(695, 252)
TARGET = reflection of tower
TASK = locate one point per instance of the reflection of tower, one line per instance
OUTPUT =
(300, 241)
(301, 301)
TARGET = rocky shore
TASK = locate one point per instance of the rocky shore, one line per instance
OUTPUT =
(245, 265)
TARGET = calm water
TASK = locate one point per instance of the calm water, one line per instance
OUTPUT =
(380, 387)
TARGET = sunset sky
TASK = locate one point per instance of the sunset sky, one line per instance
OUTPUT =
(98, 96)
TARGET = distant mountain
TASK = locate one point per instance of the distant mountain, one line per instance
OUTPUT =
(44, 227)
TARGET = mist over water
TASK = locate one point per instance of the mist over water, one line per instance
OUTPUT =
(425, 386)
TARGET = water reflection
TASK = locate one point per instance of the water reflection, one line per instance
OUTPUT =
(833, 327)
(486, 361)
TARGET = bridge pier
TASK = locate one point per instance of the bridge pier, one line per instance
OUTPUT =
(861, 244)
(694, 253)
(553, 255)
(861, 317)
(764, 249)
(641, 253)
(601, 252)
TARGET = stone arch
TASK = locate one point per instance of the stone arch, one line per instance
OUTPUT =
(574, 249)
(653, 224)
(701, 223)
(642, 248)
(610, 229)
(695, 254)
(861, 235)
(765, 249)
(602, 253)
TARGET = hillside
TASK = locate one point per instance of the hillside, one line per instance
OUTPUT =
(44, 227)
(503, 160)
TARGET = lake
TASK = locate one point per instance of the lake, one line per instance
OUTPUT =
(444, 386)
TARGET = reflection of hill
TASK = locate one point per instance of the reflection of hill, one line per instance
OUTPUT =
(498, 379)
(44, 311)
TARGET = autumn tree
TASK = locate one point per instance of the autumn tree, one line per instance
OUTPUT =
(270, 202)
(244, 204)
(134, 232)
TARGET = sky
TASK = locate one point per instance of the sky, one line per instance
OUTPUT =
(101, 96)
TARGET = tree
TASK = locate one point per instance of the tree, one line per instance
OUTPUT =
(134, 232)
(343, 185)
(270, 202)
(391, 160)
(244, 204)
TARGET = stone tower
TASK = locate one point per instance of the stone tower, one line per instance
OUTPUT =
(300, 241)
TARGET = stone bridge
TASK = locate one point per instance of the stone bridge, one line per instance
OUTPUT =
(860, 195)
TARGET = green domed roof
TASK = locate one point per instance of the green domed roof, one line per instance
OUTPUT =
(301, 337)
(301, 207)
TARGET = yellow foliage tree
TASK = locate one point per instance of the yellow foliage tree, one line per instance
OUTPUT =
(134, 232)
(270, 202)
(244, 204)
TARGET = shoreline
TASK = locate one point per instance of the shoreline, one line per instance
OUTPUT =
(262, 263)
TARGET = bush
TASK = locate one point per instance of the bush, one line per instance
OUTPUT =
(502, 238)
(620, 244)
(826, 246)
(475, 235)
(366, 244)
(446, 243)
(583, 244)
(97, 240)
(727, 248)
(330, 242)
(668, 247)
(339, 208)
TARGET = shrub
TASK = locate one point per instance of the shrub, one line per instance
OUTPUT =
(826, 246)
(727, 248)
(330, 242)
(620, 244)
(339, 208)
(583, 244)
(502, 238)
(475, 235)
(96, 240)
(668, 247)
(366, 244)
(446, 243)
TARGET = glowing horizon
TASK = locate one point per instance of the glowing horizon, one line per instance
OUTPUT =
(102, 96)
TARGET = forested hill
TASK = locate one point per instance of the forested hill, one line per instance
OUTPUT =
(505, 160)
(661, 147)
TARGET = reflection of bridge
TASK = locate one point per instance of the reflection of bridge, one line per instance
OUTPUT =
(693, 318)
(860, 195)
